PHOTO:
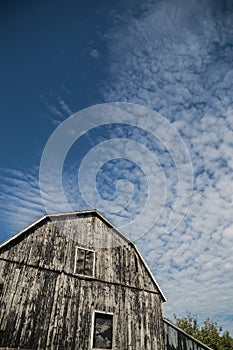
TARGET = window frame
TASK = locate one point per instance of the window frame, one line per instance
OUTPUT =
(75, 262)
(93, 328)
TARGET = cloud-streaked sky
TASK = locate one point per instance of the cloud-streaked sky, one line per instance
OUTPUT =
(172, 56)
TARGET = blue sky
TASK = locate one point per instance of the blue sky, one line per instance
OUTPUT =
(174, 57)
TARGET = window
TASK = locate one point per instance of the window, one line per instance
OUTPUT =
(102, 332)
(1, 289)
(84, 262)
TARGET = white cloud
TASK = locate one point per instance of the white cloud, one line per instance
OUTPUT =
(228, 235)
(20, 201)
(94, 53)
(57, 106)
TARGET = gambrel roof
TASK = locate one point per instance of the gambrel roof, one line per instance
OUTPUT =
(59, 216)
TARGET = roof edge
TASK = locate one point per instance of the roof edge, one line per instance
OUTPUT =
(44, 217)
(149, 271)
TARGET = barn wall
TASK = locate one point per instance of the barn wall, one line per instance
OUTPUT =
(52, 246)
(44, 309)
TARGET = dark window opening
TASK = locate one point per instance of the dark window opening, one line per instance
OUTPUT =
(1, 289)
(136, 263)
(102, 331)
(84, 264)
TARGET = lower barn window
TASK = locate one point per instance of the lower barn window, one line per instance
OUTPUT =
(102, 337)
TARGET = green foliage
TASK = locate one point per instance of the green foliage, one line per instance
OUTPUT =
(209, 333)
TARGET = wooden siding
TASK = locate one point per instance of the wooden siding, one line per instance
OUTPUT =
(43, 309)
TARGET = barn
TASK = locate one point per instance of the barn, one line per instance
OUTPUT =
(74, 281)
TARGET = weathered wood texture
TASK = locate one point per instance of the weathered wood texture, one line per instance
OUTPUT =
(176, 339)
(44, 305)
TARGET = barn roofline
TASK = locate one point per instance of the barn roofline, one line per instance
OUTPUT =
(79, 213)
(186, 334)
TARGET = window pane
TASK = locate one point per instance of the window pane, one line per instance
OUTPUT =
(84, 262)
(103, 331)
(89, 263)
(80, 260)
(1, 289)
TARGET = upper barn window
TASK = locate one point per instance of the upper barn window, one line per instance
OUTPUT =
(84, 262)
(102, 330)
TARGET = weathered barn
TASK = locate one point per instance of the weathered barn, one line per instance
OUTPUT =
(73, 281)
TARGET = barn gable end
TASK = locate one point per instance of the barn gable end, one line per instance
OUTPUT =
(51, 243)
